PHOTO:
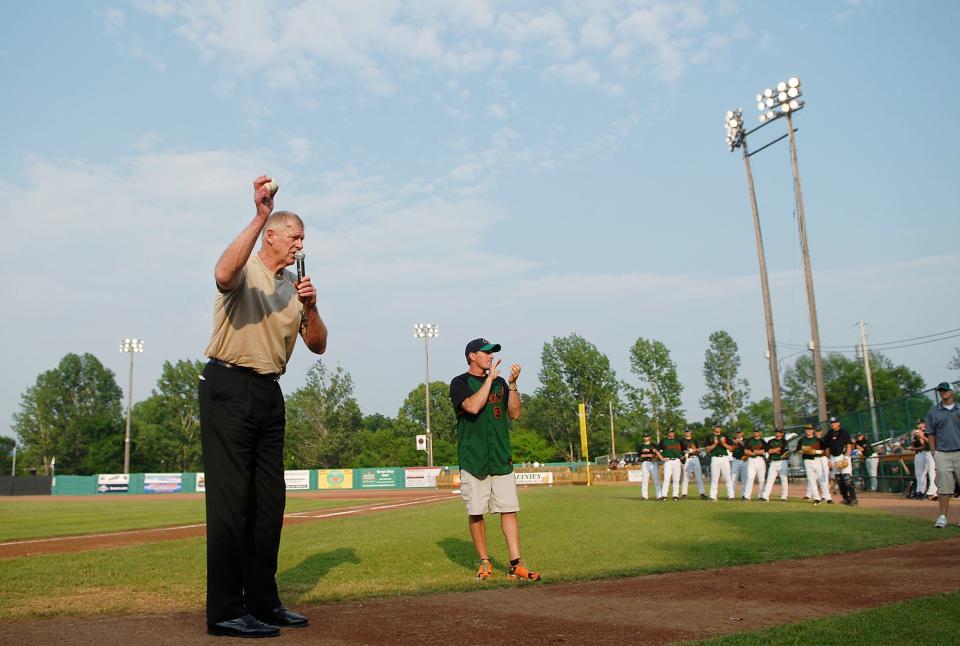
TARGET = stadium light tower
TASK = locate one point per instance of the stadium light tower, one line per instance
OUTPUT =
(427, 331)
(773, 104)
(737, 138)
(130, 346)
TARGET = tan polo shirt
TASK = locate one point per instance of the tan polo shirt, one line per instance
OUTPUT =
(256, 323)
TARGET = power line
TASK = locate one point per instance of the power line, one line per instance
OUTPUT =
(887, 345)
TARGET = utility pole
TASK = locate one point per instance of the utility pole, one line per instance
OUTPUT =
(613, 441)
(869, 373)
(808, 274)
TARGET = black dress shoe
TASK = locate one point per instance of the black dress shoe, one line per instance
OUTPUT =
(283, 617)
(245, 626)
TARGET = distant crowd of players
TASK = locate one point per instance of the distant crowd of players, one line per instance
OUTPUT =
(743, 463)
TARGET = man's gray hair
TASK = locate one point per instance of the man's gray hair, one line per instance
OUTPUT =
(280, 220)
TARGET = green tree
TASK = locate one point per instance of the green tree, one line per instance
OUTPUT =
(572, 372)
(168, 438)
(386, 443)
(660, 389)
(324, 421)
(72, 413)
(7, 445)
(726, 391)
(412, 421)
(845, 383)
(954, 363)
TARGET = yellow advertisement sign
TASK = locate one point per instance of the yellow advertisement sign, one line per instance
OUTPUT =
(335, 479)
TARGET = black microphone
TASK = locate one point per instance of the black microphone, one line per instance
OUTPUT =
(301, 265)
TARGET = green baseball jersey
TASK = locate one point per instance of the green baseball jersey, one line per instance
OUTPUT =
(719, 451)
(737, 448)
(671, 448)
(647, 451)
(483, 440)
(755, 444)
(813, 443)
(778, 444)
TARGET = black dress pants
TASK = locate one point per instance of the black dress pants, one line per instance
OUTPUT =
(241, 427)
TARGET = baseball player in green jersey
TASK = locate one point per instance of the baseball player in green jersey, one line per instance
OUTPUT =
(671, 451)
(691, 468)
(649, 455)
(738, 463)
(810, 449)
(754, 449)
(718, 448)
(485, 403)
(777, 450)
(824, 467)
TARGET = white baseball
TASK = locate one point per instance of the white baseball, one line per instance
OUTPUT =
(272, 186)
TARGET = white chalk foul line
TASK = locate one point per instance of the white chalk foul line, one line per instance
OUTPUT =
(299, 514)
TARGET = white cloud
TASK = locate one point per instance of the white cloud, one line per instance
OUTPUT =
(595, 33)
(114, 20)
(579, 73)
(496, 111)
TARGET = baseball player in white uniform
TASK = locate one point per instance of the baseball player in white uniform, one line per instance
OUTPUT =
(691, 468)
(778, 450)
(754, 449)
(718, 448)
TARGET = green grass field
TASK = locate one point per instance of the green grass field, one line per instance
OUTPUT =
(23, 520)
(934, 620)
(569, 534)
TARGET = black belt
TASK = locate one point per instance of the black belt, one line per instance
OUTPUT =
(273, 376)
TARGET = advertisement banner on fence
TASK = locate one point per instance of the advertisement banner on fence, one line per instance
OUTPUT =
(383, 478)
(201, 483)
(162, 482)
(335, 479)
(537, 478)
(634, 475)
(113, 483)
(297, 480)
(421, 477)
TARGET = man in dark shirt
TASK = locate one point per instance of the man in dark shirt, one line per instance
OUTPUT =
(839, 446)
(691, 468)
(871, 461)
(649, 456)
(671, 450)
(810, 448)
(484, 403)
(718, 448)
(777, 450)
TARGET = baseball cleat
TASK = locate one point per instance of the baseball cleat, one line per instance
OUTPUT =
(703, 496)
(675, 498)
(484, 571)
(941, 522)
(816, 502)
(765, 499)
(522, 572)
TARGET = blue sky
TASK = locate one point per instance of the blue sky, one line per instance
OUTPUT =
(516, 170)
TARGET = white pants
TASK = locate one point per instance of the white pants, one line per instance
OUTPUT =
(646, 469)
(690, 470)
(825, 477)
(873, 466)
(738, 474)
(671, 474)
(718, 466)
(756, 470)
(926, 471)
(777, 468)
(814, 479)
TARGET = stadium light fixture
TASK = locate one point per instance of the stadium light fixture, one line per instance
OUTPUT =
(131, 347)
(427, 331)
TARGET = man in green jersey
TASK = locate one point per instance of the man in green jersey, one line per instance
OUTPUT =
(485, 403)
(738, 463)
(649, 456)
(718, 448)
(777, 450)
(671, 450)
(754, 449)
(691, 468)
(810, 449)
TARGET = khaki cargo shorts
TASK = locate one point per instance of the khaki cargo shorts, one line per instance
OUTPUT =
(948, 470)
(490, 495)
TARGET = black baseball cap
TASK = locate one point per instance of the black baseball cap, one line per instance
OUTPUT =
(944, 385)
(920, 421)
(778, 430)
(480, 345)
(833, 419)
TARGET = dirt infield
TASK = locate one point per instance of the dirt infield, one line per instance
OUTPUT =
(397, 499)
